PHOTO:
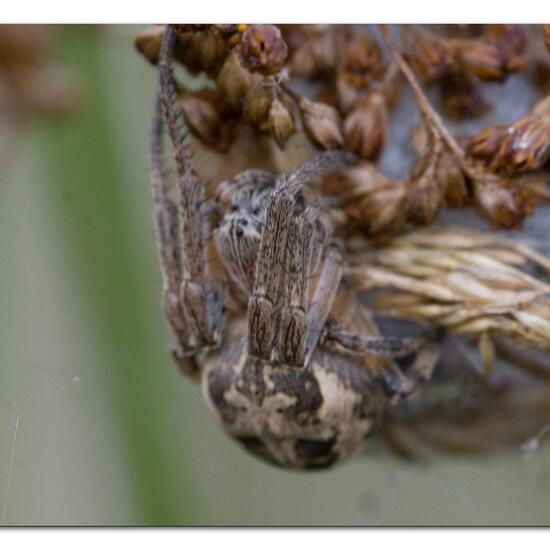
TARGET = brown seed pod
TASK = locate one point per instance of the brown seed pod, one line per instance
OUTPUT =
(525, 147)
(361, 54)
(504, 204)
(521, 147)
(424, 191)
(263, 49)
(488, 61)
(448, 174)
(204, 119)
(511, 38)
(485, 145)
(314, 50)
(431, 56)
(256, 105)
(371, 200)
(461, 98)
(233, 81)
(366, 126)
(148, 42)
(281, 125)
(322, 123)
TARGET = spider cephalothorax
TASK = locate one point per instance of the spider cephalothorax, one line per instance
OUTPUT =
(298, 372)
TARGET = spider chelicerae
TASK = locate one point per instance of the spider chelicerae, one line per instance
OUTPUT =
(296, 371)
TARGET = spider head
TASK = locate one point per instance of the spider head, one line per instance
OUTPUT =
(238, 235)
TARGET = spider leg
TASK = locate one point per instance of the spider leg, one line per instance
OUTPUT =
(323, 297)
(166, 225)
(272, 255)
(261, 306)
(396, 384)
(201, 299)
(290, 345)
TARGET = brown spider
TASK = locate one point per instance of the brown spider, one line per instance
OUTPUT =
(283, 371)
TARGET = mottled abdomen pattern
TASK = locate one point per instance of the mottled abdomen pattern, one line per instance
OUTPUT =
(294, 417)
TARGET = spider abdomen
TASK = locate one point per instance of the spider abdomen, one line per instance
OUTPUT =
(295, 417)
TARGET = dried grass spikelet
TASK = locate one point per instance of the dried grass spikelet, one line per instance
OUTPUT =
(256, 105)
(448, 175)
(148, 42)
(463, 280)
(198, 47)
(461, 97)
(201, 111)
(234, 81)
(521, 147)
(366, 126)
(375, 203)
(488, 61)
(280, 123)
(313, 49)
(431, 56)
(322, 123)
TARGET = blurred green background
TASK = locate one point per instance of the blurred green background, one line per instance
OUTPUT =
(97, 427)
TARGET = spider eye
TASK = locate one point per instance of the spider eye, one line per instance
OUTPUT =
(244, 222)
(234, 208)
(256, 211)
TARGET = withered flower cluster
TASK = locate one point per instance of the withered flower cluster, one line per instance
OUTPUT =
(251, 68)
(498, 172)
(257, 75)
(461, 56)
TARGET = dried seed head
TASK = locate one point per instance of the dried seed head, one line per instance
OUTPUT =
(430, 55)
(424, 191)
(525, 146)
(488, 61)
(322, 123)
(451, 179)
(466, 281)
(382, 212)
(461, 98)
(256, 105)
(366, 126)
(281, 125)
(148, 42)
(503, 205)
(201, 51)
(263, 49)
(424, 199)
(508, 37)
(349, 89)
(205, 120)
(314, 50)
(448, 173)
(374, 202)
(233, 81)
(485, 145)
(361, 54)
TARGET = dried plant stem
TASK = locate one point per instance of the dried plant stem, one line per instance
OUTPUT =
(428, 112)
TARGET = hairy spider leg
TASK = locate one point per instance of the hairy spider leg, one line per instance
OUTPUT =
(290, 344)
(202, 300)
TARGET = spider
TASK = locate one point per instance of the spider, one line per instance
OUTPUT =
(283, 372)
